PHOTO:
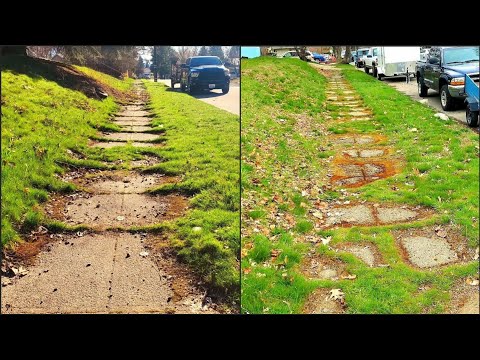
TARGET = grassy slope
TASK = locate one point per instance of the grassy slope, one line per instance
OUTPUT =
(274, 285)
(40, 121)
(202, 146)
(123, 85)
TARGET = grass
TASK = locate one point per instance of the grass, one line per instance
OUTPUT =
(283, 155)
(41, 120)
(124, 85)
(201, 144)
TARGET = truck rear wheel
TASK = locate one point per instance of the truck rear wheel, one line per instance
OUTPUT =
(422, 89)
(446, 100)
(471, 117)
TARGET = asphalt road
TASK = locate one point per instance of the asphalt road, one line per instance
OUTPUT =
(432, 100)
(229, 102)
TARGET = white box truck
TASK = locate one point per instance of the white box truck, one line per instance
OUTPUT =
(392, 61)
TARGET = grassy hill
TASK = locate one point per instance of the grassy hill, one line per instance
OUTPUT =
(47, 110)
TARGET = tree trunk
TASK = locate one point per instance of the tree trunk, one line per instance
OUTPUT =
(13, 50)
(301, 52)
(348, 54)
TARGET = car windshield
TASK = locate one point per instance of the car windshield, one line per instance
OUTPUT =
(207, 60)
(460, 55)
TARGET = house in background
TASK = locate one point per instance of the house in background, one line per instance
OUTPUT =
(250, 52)
(279, 51)
(321, 49)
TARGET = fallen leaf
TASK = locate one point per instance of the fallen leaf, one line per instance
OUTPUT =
(336, 294)
(318, 215)
(326, 240)
(476, 255)
(247, 271)
(349, 277)
(197, 229)
(120, 218)
(413, 130)
(144, 254)
(472, 282)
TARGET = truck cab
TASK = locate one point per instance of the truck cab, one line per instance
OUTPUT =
(371, 61)
(444, 71)
(201, 73)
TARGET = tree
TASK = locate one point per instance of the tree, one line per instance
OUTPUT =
(163, 59)
(140, 67)
(234, 52)
(348, 55)
(301, 52)
(203, 51)
(217, 51)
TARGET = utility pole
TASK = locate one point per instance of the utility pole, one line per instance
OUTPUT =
(155, 66)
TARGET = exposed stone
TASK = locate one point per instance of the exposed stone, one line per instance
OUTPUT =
(395, 214)
(428, 252)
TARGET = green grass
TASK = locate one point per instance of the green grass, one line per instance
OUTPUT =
(279, 161)
(41, 119)
(122, 85)
(201, 144)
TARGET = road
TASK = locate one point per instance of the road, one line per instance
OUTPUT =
(229, 102)
(432, 100)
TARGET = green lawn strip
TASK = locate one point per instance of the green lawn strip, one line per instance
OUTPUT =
(201, 145)
(270, 286)
(41, 120)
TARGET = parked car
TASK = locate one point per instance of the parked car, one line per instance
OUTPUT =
(294, 54)
(361, 55)
(392, 61)
(444, 71)
(201, 73)
(318, 57)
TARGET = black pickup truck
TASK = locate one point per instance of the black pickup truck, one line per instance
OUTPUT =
(201, 73)
(444, 71)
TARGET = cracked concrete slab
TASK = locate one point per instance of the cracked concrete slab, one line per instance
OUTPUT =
(357, 214)
(72, 277)
(133, 113)
(111, 144)
(352, 170)
(137, 128)
(428, 252)
(395, 214)
(371, 153)
(136, 280)
(130, 136)
(364, 253)
(121, 182)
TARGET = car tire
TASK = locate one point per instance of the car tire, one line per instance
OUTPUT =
(471, 117)
(422, 88)
(191, 89)
(367, 70)
(226, 89)
(446, 100)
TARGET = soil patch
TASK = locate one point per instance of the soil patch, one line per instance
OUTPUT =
(319, 302)
(118, 210)
(317, 267)
(120, 182)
